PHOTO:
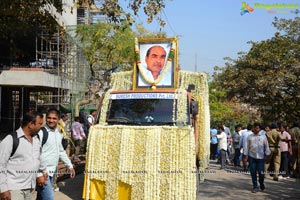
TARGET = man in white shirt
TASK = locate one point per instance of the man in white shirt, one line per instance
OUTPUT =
(222, 138)
(155, 60)
(18, 169)
(91, 118)
(243, 141)
(52, 151)
(255, 149)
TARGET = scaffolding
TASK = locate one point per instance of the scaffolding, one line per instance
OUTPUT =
(60, 53)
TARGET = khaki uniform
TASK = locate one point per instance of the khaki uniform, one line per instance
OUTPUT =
(274, 137)
(295, 137)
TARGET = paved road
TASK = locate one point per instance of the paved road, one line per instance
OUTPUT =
(235, 184)
(219, 185)
(70, 189)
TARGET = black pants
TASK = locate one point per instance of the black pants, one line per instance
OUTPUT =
(213, 151)
(285, 163)
(236, 159)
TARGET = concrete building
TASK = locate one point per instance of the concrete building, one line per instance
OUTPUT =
(55, 75)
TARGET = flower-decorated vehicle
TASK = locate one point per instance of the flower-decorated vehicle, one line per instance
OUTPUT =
(149, 139)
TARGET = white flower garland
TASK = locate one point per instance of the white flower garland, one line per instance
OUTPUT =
(162, 159)
(181, 107)
(157, 150)
(200, 94)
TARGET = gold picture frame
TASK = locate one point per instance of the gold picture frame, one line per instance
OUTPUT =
(156, 65)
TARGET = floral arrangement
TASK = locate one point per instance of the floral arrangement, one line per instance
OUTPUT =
(156, 161)
(181, 115)
(200, 94)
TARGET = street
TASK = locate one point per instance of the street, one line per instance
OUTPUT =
(219, 185)
(235, 184)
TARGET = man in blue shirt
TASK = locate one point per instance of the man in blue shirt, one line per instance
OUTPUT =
(255, 150)
(213, 143)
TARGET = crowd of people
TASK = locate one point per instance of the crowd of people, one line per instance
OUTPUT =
(264, 150)
(29, 156)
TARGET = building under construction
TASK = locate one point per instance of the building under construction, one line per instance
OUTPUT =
(54, 74)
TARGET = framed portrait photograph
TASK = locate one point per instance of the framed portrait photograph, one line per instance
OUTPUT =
(156, 63)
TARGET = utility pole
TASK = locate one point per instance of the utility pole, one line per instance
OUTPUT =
(196, 63)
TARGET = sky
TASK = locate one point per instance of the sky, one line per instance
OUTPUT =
(209, 31)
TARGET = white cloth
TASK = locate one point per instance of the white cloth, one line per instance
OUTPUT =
(20, 170)
(90, 119)
(222, 137)
(166, 80)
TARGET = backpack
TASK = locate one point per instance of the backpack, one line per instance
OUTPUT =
(45, 138)
(16, 140)
(64, 141)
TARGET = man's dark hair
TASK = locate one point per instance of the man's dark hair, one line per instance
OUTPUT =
(30, 117)
(221, 127)
(257, 124)
(53, 111)
(237, 126)
(149, 50)
(274, 125)
(77, 119)
(296, 124)
(92, 111)
(249, 127)
(285, 126)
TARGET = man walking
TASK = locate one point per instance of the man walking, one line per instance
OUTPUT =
(18, 169)
(274, 137)
(52, 151)
(255, 150)
(77, 135)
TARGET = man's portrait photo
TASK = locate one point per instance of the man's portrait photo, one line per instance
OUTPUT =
(154, 67)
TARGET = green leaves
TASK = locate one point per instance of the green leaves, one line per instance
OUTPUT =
(119, 14)
(267, 76)
(107, 48)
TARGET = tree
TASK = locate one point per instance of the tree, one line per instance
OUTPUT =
(19, 22)
(21, 19)
(120, 14)
(267, 76)
(141, 32)
(107, 48)
(290, 26)
(232, 112)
